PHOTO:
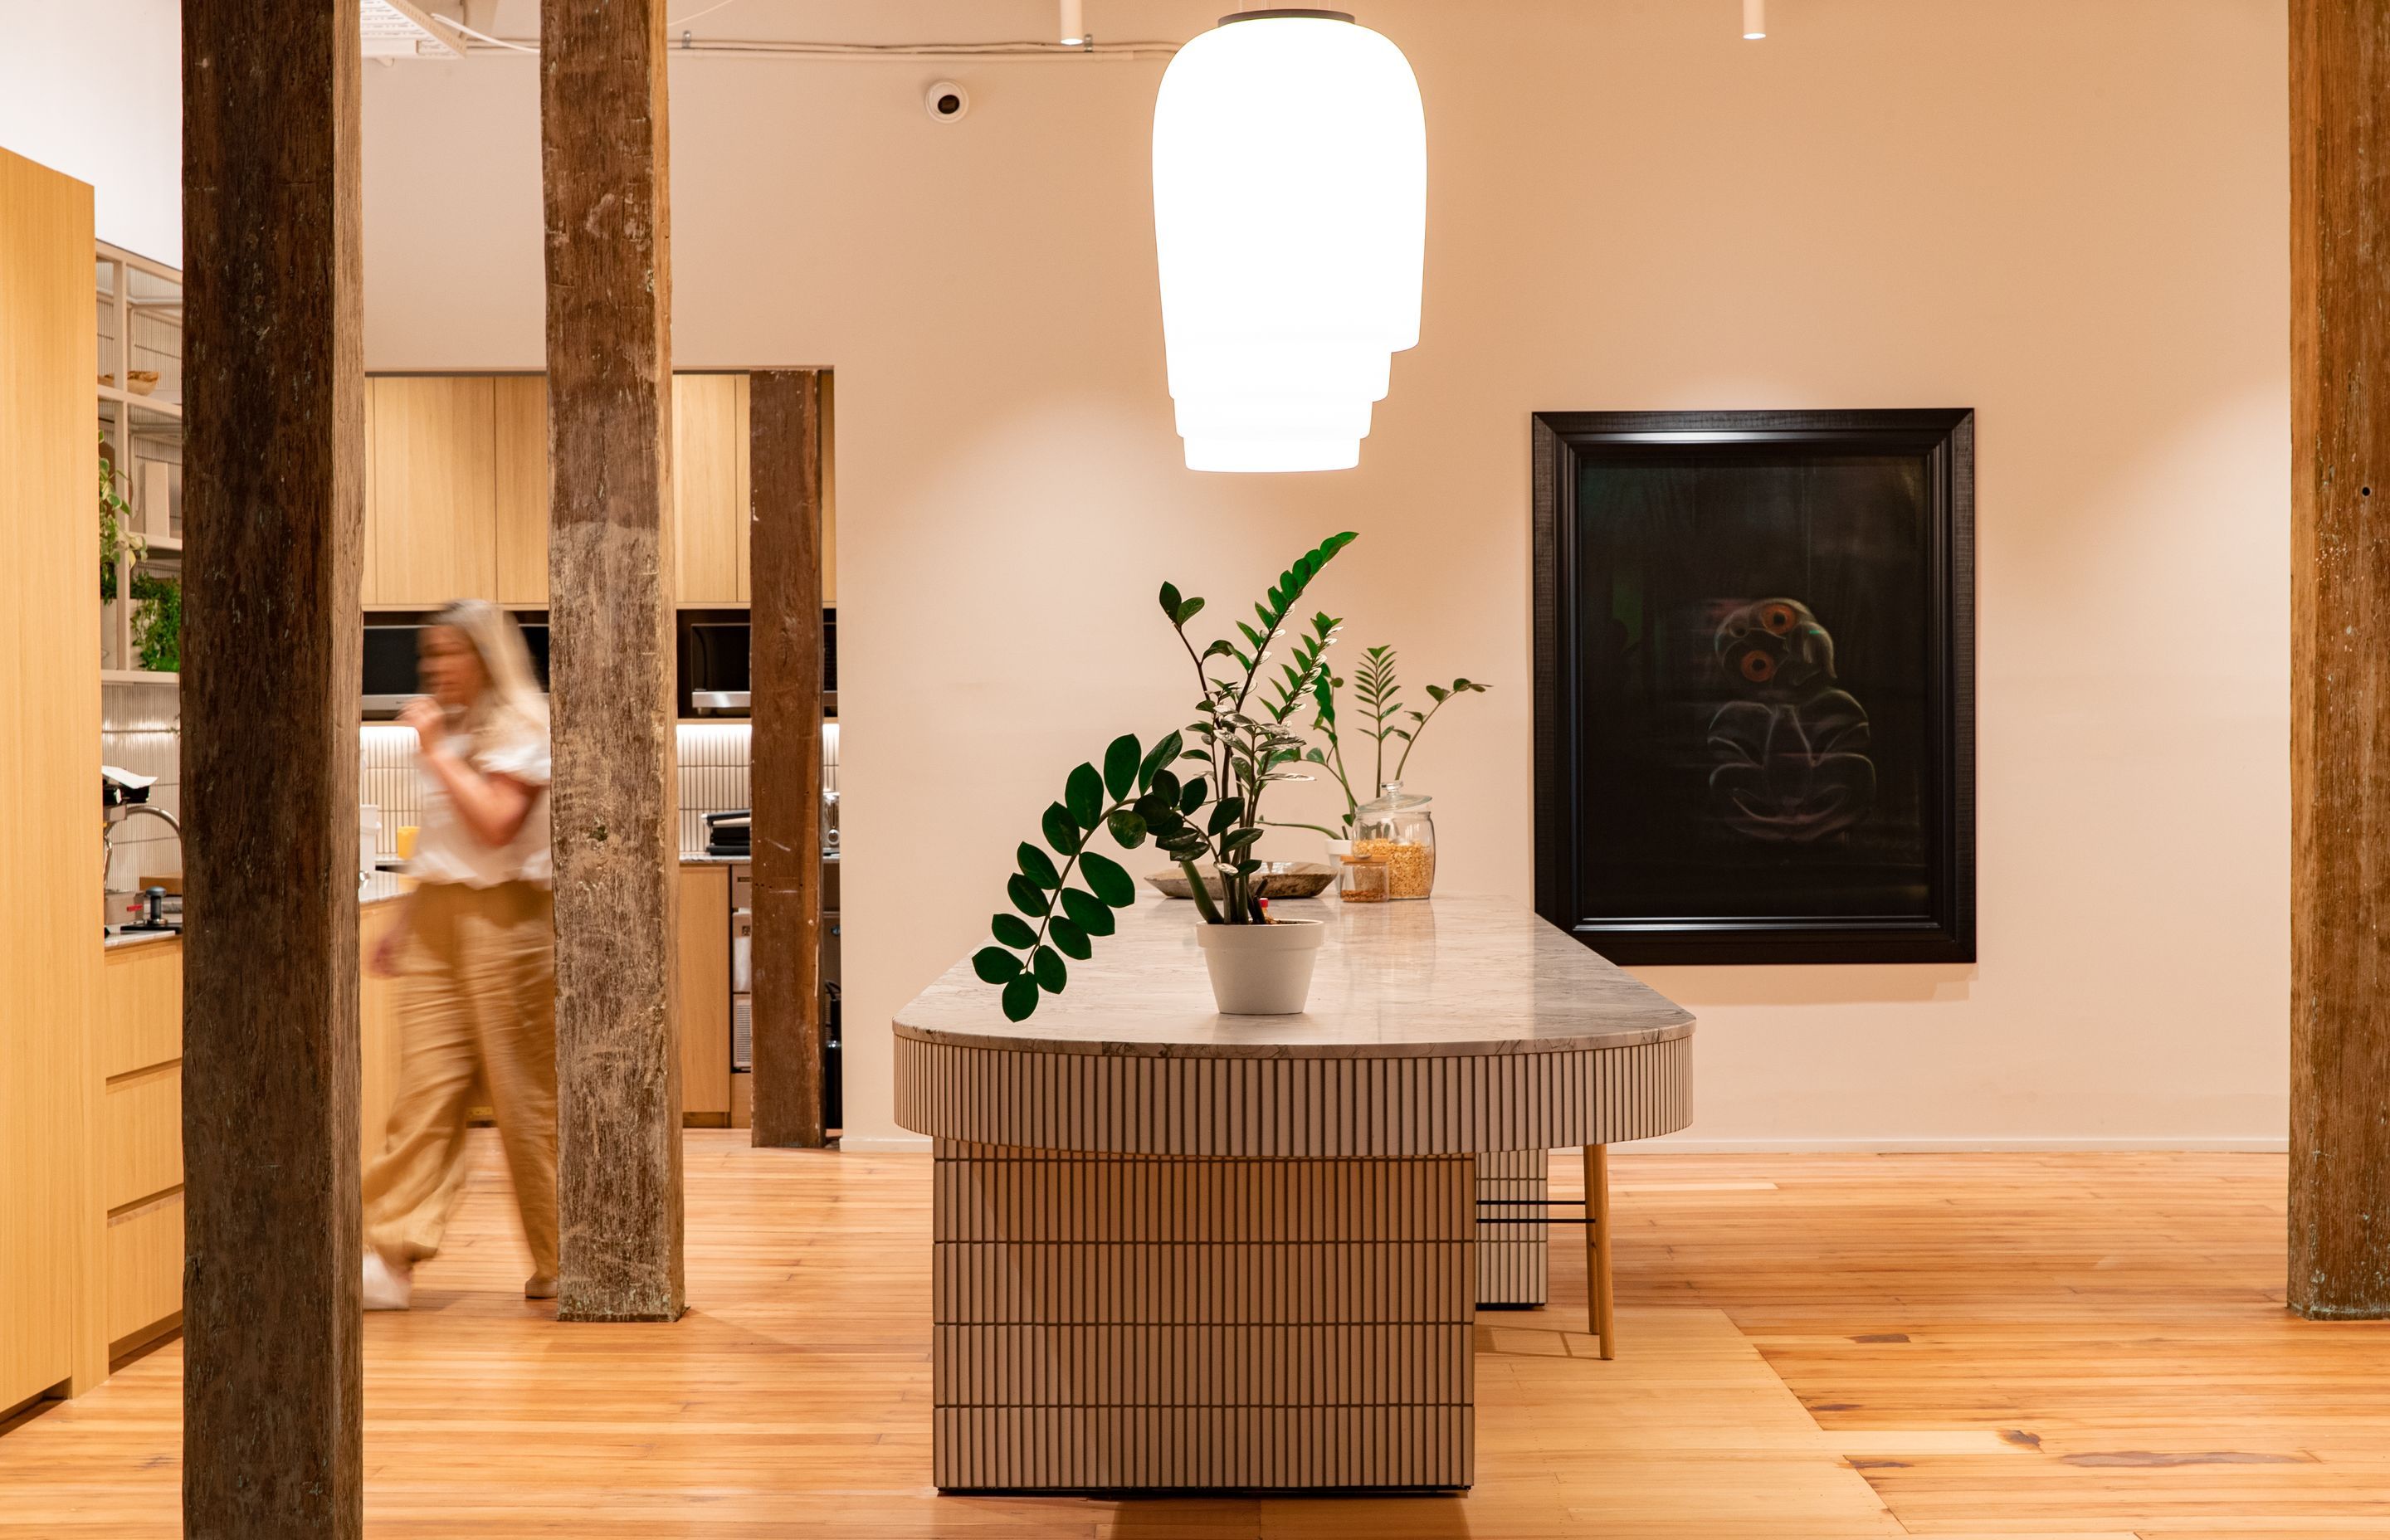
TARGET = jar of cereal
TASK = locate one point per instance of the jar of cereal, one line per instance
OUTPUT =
(1397, 829)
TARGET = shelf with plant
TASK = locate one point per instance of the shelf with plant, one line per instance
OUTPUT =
(155, 631)
(1238, 745)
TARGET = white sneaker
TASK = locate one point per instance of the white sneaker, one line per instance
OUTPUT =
(387, 1287)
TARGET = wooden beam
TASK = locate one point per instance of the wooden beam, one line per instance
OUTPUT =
(2340, 660)
(274, 415)
(615, 814)
(785, 461)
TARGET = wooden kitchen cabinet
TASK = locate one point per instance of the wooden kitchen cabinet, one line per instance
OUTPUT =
(705, 995)
(431, 490)
(456, 491)
(710, 485)
(519, 402)
(140, 1146)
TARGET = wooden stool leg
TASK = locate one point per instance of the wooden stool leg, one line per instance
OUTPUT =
(1600, 1302)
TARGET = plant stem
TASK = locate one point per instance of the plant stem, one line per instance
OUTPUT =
(1417, 733)
(1201, 895)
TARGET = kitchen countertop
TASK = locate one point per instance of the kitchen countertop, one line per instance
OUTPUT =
(380, 888)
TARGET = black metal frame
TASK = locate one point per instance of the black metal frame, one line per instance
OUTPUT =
(1946, 438)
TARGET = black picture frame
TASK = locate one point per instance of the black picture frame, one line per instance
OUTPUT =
(1939, 929)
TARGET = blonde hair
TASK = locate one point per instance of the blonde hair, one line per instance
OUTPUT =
(511, 708)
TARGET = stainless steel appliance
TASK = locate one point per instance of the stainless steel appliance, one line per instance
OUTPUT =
(390, 678)
(742, 982)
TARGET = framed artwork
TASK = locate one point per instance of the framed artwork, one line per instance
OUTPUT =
(1754, 684)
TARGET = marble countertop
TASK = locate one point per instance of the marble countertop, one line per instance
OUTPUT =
(1452, 975)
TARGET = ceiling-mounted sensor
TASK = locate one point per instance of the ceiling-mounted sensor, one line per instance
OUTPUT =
(946, 102)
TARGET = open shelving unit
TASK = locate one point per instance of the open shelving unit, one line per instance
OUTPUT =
(139, 313)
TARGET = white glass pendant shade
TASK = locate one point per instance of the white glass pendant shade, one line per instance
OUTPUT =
(1290, 209)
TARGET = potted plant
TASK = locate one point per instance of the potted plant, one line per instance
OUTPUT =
(1380, 718)
(1236, 747)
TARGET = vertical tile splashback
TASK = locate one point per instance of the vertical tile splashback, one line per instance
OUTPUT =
(713, 761)
(140, 730)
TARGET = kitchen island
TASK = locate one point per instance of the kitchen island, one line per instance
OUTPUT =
(1181, 1251)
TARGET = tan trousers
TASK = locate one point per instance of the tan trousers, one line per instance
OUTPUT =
(477, 1001)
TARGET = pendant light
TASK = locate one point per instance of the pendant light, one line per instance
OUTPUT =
(1289, 211)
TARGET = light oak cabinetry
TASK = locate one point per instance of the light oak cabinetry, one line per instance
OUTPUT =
(521, 409)
(710, 489)
(457, 491)
(706, 994)
(138, 1153)
(140, 1147)
(50, 761)
(431, 490)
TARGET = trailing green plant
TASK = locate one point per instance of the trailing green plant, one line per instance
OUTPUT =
(115, 541)
(158, 622)
(1379, 691)
(1243, 747)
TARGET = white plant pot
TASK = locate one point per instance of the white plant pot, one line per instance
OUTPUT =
(1261, 969)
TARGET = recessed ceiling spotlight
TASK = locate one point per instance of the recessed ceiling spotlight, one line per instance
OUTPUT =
(1754, 20)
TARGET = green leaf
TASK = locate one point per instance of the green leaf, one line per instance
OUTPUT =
(1013, 930)
(1156, 757)
(1069, 939)
(1108, 880)
(1436, 693)
(1087, 911)
(1027, 896)
(994, 965)
(1170, 600)
(1061, 830)
(1164, 786)
(1038, 868)
(1192, 797)
(1252, 637)
(1047, 965)
(1220, 649)
(1120, 766)
(1239, 840)
(1225, 812)
(1128, 828)
(1085, 797)
(1188, 611)
(1019, 998)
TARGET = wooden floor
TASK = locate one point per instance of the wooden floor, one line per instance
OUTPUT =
(1827, 1346)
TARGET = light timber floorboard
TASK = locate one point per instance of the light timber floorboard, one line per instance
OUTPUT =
(2028, 1347)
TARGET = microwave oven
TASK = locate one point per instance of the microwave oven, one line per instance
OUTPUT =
(390, 678)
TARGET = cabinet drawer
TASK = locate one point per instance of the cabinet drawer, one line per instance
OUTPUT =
(145, 1267)
(141, 1006)
(141, 1136)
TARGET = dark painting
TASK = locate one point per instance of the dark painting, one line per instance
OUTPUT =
(1754, 675)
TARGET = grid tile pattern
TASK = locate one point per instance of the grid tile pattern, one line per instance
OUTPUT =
(140, 730)
(1513, 1260)
(1108, 1323)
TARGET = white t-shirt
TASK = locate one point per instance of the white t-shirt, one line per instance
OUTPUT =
(446, 851)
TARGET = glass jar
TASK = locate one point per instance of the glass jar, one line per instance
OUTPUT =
(1397, 829)
(1359, 879)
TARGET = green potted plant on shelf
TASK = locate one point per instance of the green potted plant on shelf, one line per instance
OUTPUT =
(1238, 746)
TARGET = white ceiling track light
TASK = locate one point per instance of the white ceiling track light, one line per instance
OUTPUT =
(1754, 20)
(1289, 211)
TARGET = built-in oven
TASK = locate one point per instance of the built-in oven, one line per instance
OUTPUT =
(390, 679)
(715, 676)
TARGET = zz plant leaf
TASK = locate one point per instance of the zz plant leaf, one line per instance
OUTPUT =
(1240, 745)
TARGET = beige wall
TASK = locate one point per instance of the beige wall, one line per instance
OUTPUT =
(2068, 215)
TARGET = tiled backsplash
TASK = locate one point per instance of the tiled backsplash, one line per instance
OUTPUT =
(713, 760)
(140, 730)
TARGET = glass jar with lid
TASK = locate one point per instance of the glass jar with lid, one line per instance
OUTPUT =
(1397, 828)
(1359, 879)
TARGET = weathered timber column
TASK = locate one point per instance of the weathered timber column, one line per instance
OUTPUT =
(2340, 659)
(274, 415)
(784, 458)
(603, 155)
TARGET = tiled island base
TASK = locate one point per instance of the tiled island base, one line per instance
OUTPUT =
(1123, 1323)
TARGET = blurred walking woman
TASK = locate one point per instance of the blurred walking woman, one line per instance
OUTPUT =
(474, 953)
